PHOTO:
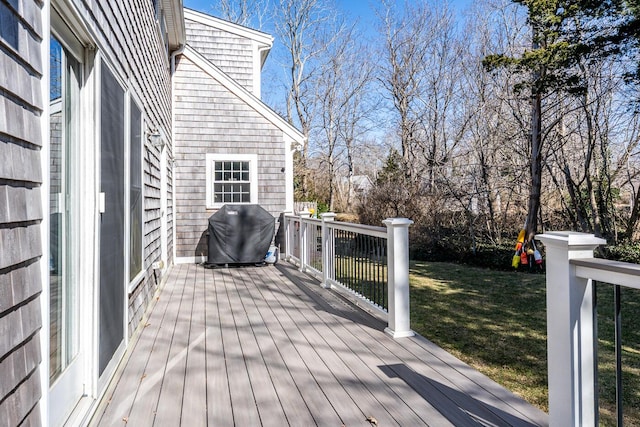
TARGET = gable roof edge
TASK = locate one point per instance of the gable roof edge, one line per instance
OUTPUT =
(174, 12)
(242, 93)
(262, 38)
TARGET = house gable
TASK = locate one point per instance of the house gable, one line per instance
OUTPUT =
(239, 91)
(238, 51)
(216, 118)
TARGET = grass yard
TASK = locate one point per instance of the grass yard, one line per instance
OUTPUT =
(496, 322)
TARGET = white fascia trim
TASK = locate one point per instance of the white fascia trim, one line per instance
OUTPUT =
(45, 128)
(289, 148)
(229, 27)
(257, 67)
(242, 93)
(176, 27)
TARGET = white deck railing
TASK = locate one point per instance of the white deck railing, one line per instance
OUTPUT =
(370, 262)
(572, 325)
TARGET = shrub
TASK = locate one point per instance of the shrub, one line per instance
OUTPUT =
(624, 251)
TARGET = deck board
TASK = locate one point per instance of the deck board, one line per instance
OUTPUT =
(329, 402)
(341, 362)
(219, 409)
(306, 387)
(129, 381)
(144, 407)
(291, 400)
(265, 395)
(243, 404)
(194, 402)
(269, 346)
(350, 355)
(170, 399)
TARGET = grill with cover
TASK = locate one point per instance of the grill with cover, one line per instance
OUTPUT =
(240, 234)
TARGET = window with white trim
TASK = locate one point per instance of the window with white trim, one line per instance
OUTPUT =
(231, 179)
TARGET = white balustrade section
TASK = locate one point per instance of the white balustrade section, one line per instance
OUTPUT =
(303, 249)
(571, 328)
(398, 260)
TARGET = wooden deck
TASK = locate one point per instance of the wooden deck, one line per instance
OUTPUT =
(267, 346)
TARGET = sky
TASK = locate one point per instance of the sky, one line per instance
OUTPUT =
(355, 8)
(272, 89)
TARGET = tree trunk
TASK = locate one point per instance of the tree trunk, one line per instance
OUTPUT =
(536, 164)
(633, 218)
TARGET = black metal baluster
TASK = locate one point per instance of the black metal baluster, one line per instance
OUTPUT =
(618, 322)
(338, 234)
(596, 398)
(365, 266)
(377, 271)
(376, 245)
(352, 260)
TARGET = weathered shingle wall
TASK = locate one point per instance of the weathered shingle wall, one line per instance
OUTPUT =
(130, 39)
(231, 53)
(20, 210)
(210, 119)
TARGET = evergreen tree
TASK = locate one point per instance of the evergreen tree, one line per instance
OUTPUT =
(564, 34)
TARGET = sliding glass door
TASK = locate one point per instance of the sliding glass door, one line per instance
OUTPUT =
(65, 367)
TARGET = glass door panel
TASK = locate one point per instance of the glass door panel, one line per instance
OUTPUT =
(64, 90)
(64, 370)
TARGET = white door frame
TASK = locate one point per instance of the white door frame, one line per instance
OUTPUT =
(65, 399)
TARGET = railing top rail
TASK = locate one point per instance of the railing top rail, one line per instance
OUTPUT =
(316, 220)
(369, 230)
(607, 271)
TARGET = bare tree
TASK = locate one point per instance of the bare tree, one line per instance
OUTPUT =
(403, 57)
(306, 28)
(343, 97)
(488, 161)
(245, 12)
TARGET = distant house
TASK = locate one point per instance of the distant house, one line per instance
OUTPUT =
(360, 184)
(123, 126)
(354, 189)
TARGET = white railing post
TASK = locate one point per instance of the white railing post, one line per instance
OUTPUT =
(570, 331)
(304, 254)
(398, 277)
(287, 237)
(328, 251)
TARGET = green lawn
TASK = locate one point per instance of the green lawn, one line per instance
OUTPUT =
(496, 322)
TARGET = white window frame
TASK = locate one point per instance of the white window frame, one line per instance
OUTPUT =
(131, 97)
(211, 158)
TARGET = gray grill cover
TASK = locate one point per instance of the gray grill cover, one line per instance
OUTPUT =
(240, 234)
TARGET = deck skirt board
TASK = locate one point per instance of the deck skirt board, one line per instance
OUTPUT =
(268, 346)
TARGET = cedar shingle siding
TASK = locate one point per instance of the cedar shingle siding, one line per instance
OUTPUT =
(209, 118)
(20, 211)
(127, 36)
(229, 52)
(130, 39)
(124, 37)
